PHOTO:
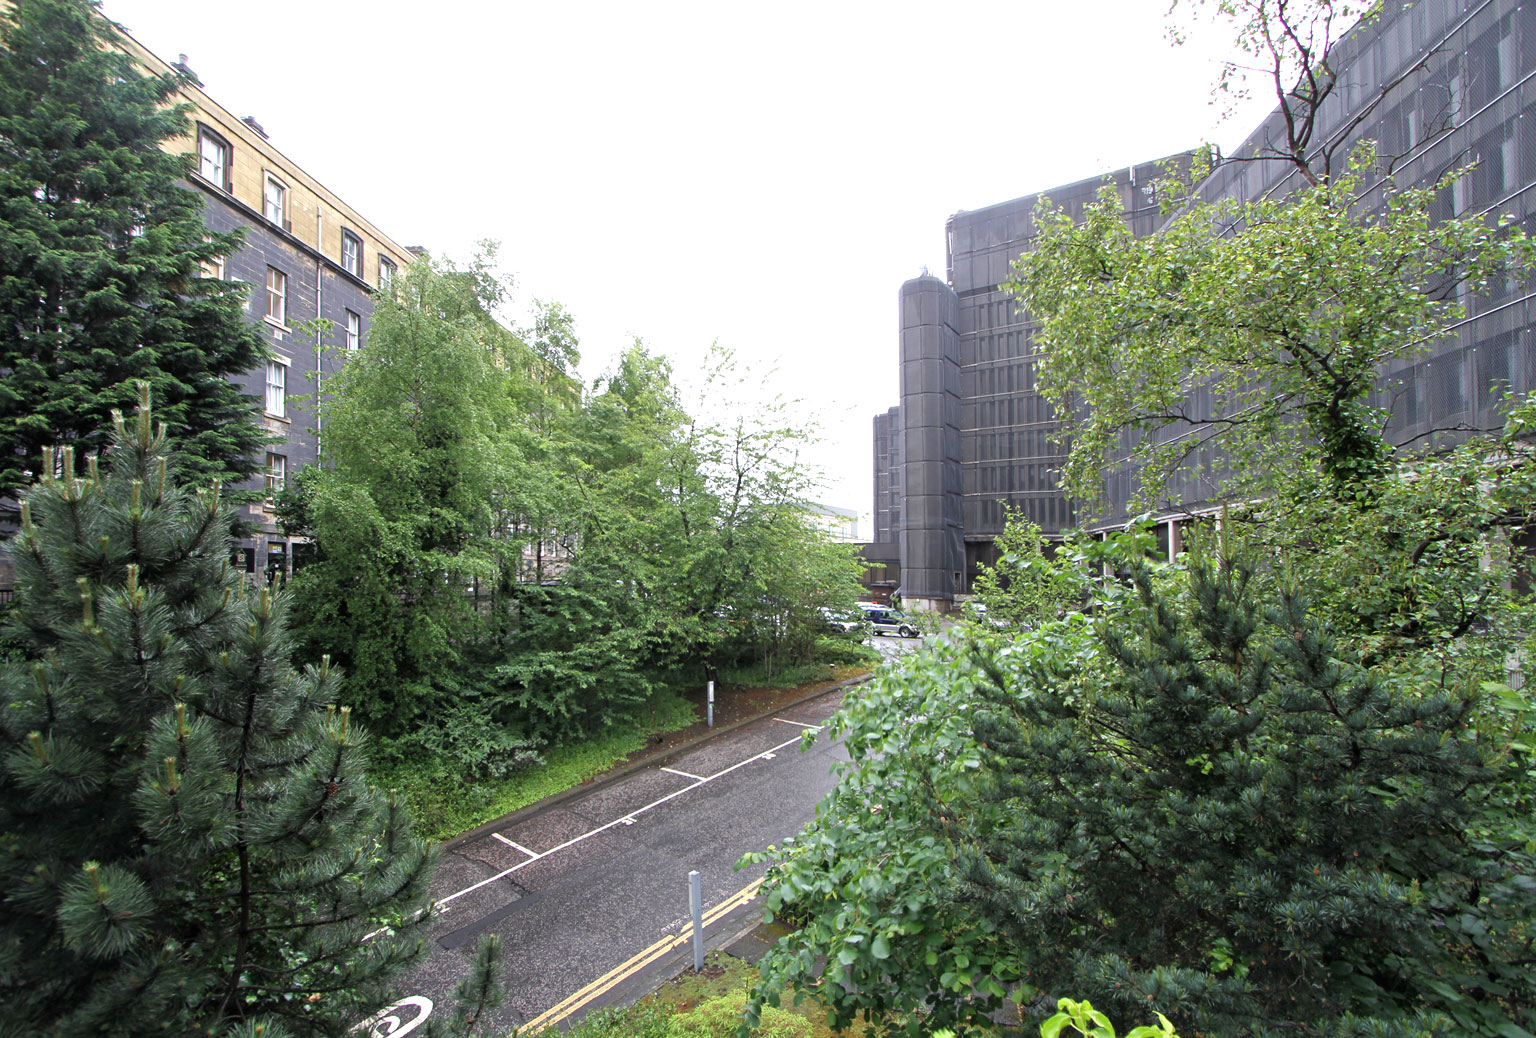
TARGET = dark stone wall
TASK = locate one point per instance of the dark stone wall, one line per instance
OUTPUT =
(317, 288)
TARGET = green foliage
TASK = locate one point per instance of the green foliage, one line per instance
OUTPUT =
(1236, 810)
(450, 798)
(704, 522)
(477, 996)
(869, 882)
(505, 562)
(190, 837)
(840, 649)
(478, 747)
(1234, 784)
(1413, 564)
(101, 285)
(1024, 588)
(423, 439)
(1263, 344)
(1089, 1022)
(648, 1019)
(720, 1018)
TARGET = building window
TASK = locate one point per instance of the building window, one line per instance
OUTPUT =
(277, 296)
(352, 254)
(386, 275)
(277, 474)
(274, 201)
(212, 267)
(213, 157)
(354, 331)
(277, 389)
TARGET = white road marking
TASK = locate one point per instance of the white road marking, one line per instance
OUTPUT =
(684, 774)
(628, 819)
(516, 846)
(802, 724)
(396, 1020)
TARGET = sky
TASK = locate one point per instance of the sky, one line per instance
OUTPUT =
(759, 176)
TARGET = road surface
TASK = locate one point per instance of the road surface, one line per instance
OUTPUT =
(590, 893)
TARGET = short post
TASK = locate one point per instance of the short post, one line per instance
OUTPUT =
(696, 908)
(710, 697)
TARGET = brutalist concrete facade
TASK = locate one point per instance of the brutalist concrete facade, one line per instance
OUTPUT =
(887, 510)
(931, 390)
(975, 431)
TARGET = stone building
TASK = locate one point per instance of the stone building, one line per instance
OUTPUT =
(313, 265)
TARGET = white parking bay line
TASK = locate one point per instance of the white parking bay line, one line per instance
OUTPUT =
(626, 819)
(802, 724)
(515, 845)
(684, 774)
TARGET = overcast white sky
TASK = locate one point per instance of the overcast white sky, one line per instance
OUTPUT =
(765, 176)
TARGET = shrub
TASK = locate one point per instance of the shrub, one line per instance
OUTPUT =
(721, 1017)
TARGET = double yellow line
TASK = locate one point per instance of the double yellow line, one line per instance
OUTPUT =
(616, 976)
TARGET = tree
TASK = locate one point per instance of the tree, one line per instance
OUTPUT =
(1245, 338)
(688, 545)
(867, 889)
(1223, 813)
(191, 843)
(759, 565)
(100, 280)
(413, 507)
(1023, 588)
(505, 560)
(1200, 796)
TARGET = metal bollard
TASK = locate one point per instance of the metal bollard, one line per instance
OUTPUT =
(696, 907)
(711, 697)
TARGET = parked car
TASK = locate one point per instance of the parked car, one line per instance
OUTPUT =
(886, 620)
(977, 613)
(842, 623)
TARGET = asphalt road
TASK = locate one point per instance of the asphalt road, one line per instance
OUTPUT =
(590, 894)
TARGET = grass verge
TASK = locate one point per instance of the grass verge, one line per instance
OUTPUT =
(443, 804)
(703, 1005)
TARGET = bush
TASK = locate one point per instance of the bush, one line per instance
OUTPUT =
(721, 1017)
(447, 801)
(473, 743)
(646, 1019)
(844, 650)
(1261, 834)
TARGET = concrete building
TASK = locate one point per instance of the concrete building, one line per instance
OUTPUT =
(970, 437)
(839, 524)
(307, 256)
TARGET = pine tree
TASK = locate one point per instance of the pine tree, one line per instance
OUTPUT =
(190, 842)
(1230, 819)
(100, 253)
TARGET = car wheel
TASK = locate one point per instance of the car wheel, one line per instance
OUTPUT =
(908, 632)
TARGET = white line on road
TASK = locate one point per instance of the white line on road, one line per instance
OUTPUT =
(515, 845)
(684, 774)
(627, 819)
(802, 724)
